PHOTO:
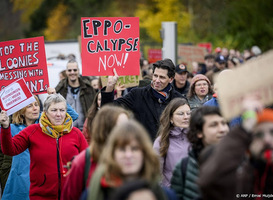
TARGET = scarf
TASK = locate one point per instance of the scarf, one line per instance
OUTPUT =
(162, 95)
(55, 131)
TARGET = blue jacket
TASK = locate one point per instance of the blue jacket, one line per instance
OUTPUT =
(212, 102)
(18, 183)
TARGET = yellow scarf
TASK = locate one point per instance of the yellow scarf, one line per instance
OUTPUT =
(55, 131)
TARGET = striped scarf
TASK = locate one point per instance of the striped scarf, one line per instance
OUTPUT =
(55, 131)
(162, 95)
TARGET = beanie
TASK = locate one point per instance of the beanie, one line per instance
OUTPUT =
(265, 116)
(199, 77)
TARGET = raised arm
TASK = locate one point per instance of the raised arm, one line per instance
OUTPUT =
(11, 146)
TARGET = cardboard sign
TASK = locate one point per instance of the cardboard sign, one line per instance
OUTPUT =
(188, 54)
(255, 76)
(154, 55)
(127, 81)
(26, 59)
(110, 42)
(15, 96)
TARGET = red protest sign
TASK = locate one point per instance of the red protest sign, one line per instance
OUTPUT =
(108, 43)
(207, 45)
(26, 59)
(15, 96)
(154, 55)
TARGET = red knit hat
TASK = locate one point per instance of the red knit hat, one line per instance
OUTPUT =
(199, 77)
(265, 116)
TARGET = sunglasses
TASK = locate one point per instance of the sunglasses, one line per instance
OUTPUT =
(70, 70)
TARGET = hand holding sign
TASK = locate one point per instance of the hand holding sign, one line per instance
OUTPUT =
(4, 119)
(112, 81)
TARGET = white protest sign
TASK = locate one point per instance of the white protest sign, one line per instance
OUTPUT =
(15, 96)
(255, 76)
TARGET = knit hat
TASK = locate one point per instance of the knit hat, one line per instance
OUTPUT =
(265, 116)
(199, 77)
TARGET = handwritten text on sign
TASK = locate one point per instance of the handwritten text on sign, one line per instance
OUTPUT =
(24, 59)
(109, 43)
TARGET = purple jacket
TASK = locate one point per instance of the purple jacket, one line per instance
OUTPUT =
(178, 149)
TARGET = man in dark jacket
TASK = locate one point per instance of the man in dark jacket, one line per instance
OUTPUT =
(77, 91)
(147, 103)
(180, 82)
(240, 167)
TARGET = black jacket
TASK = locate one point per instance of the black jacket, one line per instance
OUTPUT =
(143, 104)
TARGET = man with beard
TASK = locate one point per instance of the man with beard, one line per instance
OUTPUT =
(77, 91)
(241, 165)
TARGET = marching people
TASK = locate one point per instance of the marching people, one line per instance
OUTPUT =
(18, 179)
(52, 143)
(85, 163)
(147, 103)
(207, 127)
(172, 143)
(200, 91)
(180, 82)
(242, 162)
(77, 91)
(128, 155)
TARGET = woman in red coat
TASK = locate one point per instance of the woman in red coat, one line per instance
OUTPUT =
(51, 143)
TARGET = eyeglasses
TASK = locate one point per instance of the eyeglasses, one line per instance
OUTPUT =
(183, 113)
(201, 84)
(70, 70)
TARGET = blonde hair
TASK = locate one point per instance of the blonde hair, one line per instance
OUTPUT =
(121, 136)
(18, 117)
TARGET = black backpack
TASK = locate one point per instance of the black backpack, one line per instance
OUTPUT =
(184, 165)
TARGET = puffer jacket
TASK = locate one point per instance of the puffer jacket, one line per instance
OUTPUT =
(186, 189)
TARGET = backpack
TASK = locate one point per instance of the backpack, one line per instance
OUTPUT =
(85, 175)
(184, 165)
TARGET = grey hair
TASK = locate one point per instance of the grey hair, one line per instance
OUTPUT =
(53, 98)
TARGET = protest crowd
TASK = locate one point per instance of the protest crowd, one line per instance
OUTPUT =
(164, 139)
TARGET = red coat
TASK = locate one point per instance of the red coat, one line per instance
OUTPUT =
(48, 157)
(74, 185)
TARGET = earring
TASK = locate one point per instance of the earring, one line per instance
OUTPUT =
(171, 122)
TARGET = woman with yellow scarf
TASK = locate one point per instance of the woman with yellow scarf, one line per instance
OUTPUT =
(51, 143)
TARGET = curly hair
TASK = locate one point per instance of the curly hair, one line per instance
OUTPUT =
(121, 136)
(197, 122)
(165, 124)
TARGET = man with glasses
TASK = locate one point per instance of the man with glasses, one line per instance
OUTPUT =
(77, 91)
